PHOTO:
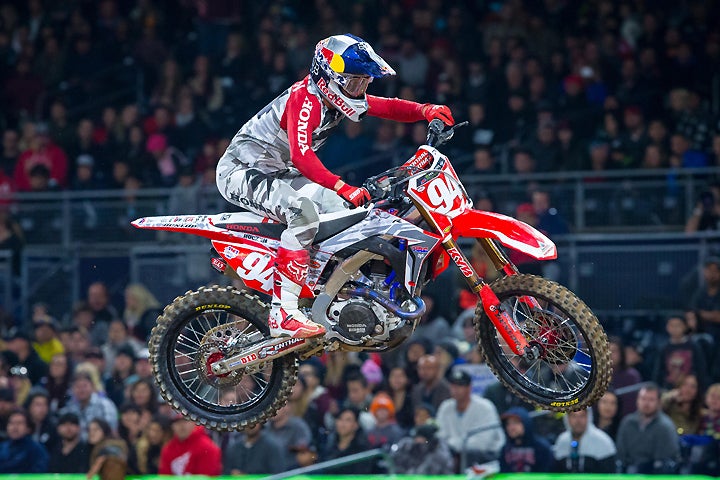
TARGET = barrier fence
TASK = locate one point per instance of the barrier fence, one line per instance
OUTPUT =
(501, 476)
(619, 276)
(73, 238)
(628, 201)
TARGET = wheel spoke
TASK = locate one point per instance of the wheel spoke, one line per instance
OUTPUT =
(558, 337)
(193, 350)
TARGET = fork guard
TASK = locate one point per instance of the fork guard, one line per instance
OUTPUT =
(508, 231)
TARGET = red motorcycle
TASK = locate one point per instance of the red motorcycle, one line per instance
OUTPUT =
(216, 363)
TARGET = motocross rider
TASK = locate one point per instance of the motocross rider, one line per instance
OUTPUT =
(271, 168)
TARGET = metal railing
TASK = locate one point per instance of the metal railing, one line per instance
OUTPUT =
(622, 277)
(618, 274)
(634, 272)
(625, 201)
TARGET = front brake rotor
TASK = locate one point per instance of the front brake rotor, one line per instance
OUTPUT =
(557, 341)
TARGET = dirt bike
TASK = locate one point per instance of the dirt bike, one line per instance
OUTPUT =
(216, 363)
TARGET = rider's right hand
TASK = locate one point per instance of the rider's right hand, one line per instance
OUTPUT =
(441, 112)
(358, 196)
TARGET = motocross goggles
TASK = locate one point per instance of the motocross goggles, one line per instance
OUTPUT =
(356, 85)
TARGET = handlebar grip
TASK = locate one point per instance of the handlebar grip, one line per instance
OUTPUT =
(435, 128)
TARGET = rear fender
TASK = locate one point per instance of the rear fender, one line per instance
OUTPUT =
(508, 231)
(201, 225)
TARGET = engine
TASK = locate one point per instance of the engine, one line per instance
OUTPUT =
(357, 320)
(360, 319)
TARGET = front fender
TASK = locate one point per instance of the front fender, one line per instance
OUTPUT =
(510, 232)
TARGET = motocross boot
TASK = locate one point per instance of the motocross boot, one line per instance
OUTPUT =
(286, 320)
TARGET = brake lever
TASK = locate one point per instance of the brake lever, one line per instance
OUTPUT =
(447, 135)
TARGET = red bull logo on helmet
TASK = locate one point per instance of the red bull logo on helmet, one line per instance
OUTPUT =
(335, 99)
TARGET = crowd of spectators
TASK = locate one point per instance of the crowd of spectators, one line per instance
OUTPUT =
(128, 95)
(77, 395)
(549, 86)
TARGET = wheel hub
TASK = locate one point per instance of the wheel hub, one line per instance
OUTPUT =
(213, 348)
(556, 341)
(212, 358)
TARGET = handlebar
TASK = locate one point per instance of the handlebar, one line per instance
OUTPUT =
(385, 186)
(436, 136)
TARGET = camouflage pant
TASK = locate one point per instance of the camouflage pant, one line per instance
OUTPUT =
(285, 196)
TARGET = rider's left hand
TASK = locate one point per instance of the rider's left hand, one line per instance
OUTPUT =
(442, 112)
(357, 196)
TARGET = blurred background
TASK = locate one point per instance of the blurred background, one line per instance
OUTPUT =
(597, 121)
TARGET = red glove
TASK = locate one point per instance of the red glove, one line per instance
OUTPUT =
(356, 195)
(431, 112)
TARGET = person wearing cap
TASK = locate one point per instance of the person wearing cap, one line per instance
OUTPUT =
(386, 430)
(46, 342)
(469, 422)
(703, 313)
(524, 451)
(21, 345)
(634, 137)
(423, 453)
(85, 177)
(372, 373)
(423, 414)
(190, 451)
(71, 454)
(20, 453)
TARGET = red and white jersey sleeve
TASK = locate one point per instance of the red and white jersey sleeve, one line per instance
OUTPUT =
(395, 109)
(302, 121)
(289, 130)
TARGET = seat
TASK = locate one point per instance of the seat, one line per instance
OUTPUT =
(330, 225)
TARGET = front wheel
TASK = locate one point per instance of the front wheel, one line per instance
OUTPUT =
(573, 369)
(190, 336)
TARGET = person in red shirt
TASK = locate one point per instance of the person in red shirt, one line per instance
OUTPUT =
(41, 152)
(190, 451)
(271, 168)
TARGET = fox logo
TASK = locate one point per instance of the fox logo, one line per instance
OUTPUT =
(298, 271)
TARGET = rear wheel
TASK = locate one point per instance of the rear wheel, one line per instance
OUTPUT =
(573, 369)
(189, 337)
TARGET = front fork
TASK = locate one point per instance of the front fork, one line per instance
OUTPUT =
(491, 304)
